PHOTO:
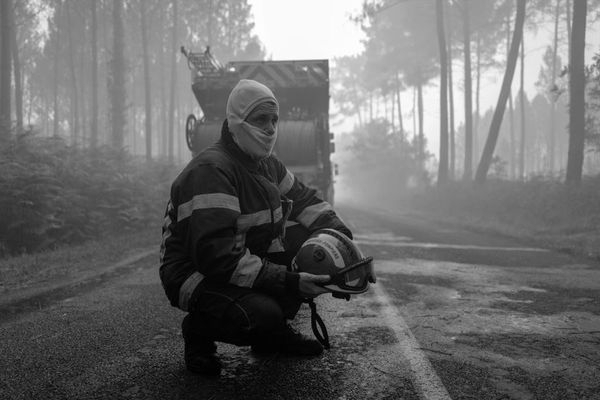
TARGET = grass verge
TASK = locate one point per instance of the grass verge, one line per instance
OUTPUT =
(69, 262)
(546, 213)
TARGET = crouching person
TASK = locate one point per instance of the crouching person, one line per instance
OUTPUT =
(234, 221)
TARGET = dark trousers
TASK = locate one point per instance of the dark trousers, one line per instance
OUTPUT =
(244, 316)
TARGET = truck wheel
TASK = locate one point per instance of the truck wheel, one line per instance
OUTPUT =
(190, 127)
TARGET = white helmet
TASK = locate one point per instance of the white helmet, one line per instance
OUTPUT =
(329, 252)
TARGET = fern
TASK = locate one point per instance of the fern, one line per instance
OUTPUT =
(52, 194)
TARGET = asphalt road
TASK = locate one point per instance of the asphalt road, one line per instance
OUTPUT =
(454, 315)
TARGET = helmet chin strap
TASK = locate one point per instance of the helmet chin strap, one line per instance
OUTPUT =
(316, 323)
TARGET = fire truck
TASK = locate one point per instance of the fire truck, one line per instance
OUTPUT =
(304, 142)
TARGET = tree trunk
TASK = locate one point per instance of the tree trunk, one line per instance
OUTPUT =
(477, 102)
(147, 87)
(421, 140)
(399, 104)
(134, 86)
(173, 82)
(370, 106)
(359, 113)
(74, 97)
(393, 110)
(17, 76)
(94, 28)
(513, 144)
(564, 149)
(44, 100)
(230, 28)
(179, 136)
(511, 111)
(83, 120)
(568, 21)
(577, 95)
(563, 142)
(162, 114)
(451, 101)
(490, 144)
(569, 27)
(441, 32)
(57, 20)
(5, 67)
(118, 90)
(468, 167)
(522, 106)
(46, 128)
(553, 99)
(414, 112)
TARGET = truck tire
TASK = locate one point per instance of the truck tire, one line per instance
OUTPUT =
(190, 127)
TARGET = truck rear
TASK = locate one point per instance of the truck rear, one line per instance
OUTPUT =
(302, 89)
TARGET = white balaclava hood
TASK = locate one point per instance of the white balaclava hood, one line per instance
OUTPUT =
(244, 98)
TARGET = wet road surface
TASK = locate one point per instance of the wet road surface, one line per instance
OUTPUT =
(454, 315)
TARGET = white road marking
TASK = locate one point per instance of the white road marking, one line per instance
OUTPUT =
(426, 381)
(446, 246)
(382, 237)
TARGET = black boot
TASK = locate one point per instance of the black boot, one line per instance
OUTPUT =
(288, 341)
(199, 352)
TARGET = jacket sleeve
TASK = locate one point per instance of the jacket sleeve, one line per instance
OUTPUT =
(202, 225)
(308, 209)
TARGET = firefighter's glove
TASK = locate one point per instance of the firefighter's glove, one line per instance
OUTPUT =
(309, 285)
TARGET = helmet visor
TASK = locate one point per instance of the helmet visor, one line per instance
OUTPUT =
(354, 278)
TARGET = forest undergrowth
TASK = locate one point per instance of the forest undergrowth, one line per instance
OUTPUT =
(67, 210)
(54, 195)
(542, 211)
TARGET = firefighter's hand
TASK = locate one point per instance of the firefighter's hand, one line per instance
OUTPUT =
(308, 285)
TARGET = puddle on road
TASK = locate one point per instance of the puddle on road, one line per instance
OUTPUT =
(485, 296)
(552, 300)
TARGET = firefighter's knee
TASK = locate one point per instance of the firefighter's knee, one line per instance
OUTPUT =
(263, 314)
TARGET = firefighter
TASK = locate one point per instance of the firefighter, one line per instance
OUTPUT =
(235, 219)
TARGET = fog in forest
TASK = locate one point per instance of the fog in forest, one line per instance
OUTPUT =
(115, 96)
(405, 140)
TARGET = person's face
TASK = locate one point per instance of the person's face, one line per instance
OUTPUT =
(264, 119)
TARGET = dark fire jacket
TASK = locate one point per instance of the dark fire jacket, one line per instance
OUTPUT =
(225, 216)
